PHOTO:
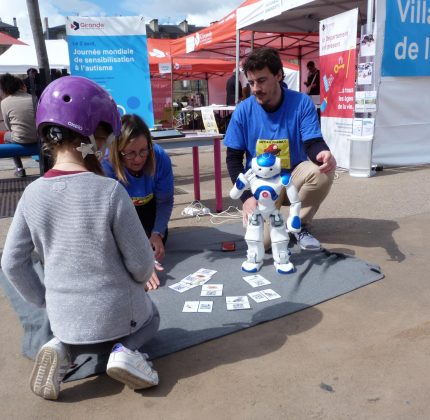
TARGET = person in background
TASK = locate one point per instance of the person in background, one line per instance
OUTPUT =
(95, 253)
(145, 170)
(282, 122)
(312, 82)
(231, 89)
(32, 82)
(18, 115)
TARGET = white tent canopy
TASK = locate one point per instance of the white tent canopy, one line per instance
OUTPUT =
(293, 15)
(18, 58)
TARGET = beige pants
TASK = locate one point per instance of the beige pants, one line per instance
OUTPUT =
(313, 187)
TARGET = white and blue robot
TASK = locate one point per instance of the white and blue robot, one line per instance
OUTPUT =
(266, 182)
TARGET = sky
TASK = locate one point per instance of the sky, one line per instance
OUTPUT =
(196, 12)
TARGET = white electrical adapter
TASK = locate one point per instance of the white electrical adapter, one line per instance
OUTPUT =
(194, 211)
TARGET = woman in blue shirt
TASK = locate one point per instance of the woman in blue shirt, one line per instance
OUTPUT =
(145, 170)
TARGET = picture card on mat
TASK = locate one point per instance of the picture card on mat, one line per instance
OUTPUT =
(270, 294)
(256, 280)
(180, 287)
(264, 295)
(237, 302)
(211, 290)
(205, 306)
(258, 297)
(191, 306)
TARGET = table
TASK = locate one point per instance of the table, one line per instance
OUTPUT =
(196, 140)
(224, 110)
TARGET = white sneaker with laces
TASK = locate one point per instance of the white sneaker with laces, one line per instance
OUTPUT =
(307, 241)
(52, 363)
(131, 368)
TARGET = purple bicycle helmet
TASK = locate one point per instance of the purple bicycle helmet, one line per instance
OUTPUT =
(78, 104)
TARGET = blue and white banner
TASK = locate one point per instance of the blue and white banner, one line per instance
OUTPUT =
(112, 51)
(407, 38)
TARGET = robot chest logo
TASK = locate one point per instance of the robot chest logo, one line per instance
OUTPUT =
(265, 194)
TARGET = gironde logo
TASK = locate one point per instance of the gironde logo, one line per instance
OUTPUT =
(74, 25)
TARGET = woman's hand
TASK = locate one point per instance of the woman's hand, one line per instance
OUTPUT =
(153, 283)
(157, 245)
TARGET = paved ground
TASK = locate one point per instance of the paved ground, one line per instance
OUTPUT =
(364, 355)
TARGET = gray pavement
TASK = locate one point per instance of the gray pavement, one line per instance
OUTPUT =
(364, 355)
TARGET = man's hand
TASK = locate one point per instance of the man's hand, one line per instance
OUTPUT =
(248, 207)
(154, 282)
(157, 246)
(328, 161)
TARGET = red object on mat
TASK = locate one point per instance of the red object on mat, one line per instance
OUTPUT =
(2, 133)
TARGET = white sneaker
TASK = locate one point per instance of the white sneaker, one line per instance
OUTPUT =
(52, 363)
(131, 368)
(307, 241)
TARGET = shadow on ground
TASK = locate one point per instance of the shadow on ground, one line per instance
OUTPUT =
(245, 344)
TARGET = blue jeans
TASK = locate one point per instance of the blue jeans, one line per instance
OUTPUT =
(16, 159)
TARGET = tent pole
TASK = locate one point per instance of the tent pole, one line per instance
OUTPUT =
(370, 14)
(236, 91)
(171, 90)
(207, 84)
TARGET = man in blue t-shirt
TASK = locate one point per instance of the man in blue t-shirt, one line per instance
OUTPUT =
(283, 122)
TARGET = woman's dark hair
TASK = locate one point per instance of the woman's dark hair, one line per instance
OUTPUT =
(10, 84)
(261, 58)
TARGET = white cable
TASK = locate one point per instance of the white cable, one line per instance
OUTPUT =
(197, 210)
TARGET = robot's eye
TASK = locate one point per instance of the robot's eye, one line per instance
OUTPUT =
(259, 169)
(271, 169)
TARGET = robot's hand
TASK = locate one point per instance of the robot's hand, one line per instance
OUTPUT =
(286, 178)
(239, 187)
(294, 224)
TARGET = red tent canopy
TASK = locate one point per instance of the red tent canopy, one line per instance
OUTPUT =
(159, 56)
(219, 41)
(9, 40)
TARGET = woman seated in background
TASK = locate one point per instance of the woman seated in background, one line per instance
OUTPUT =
(145, 170)
(18, 115)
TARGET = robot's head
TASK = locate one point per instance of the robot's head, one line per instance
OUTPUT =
(266, 165)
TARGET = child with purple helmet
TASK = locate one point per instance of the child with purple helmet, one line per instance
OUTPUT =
(84, 228)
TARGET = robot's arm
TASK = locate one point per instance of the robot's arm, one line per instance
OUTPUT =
(239, 186)
(293, 222)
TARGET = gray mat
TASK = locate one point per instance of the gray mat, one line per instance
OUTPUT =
(320, 276)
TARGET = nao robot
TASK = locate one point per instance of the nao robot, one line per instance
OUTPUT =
(266, 182)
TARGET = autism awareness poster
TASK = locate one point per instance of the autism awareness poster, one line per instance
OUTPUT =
(338, 38)
(112, 51)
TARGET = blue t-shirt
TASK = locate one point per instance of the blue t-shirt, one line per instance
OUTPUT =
(281, 132)
(144, 189)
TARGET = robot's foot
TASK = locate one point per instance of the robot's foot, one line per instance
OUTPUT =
(287, 268)
(251, 267)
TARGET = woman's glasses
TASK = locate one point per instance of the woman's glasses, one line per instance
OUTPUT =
(133, 155)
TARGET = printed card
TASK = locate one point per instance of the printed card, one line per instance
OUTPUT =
(270, 294)
(264, 295)
(211, 290)
(256, 280)
(191, 306)
(198, 278)
(205, 306)
(180, 287)
(206, 272)
(237, 302)
(258, 297)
